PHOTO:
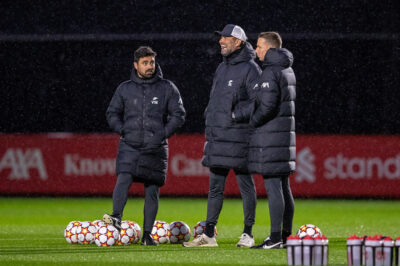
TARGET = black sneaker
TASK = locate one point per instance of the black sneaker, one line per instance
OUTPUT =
(268, 244)
(109, 219)
(147, 240)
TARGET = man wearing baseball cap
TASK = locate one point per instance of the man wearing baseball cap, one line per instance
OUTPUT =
(227, 132)
(231, 30)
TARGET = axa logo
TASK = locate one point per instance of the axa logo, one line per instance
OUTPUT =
(305, 166)
(155, 100)
(230, 83)
(20, 162)
(255, 86)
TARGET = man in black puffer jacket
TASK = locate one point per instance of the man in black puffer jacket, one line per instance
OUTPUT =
(272, 148)
(145, 110)
(228, 132)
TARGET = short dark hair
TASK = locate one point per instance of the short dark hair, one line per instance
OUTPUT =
(273, 38)
(143, 51)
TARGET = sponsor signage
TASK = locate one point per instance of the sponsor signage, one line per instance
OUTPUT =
(75, 164)
(348, 165)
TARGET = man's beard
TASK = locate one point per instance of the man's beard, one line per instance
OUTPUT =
(148, 74)
(227, 52)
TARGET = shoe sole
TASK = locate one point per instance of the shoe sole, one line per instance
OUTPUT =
(107, 219)
(244, 246)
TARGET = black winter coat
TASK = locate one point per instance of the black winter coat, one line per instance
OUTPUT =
(227, 138)
(145, 112)
(272, 148)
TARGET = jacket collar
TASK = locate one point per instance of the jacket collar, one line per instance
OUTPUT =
(244, 54)
(278, 57)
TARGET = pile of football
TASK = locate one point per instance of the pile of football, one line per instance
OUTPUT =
(176, 232)
(101, 234)
(104, 235)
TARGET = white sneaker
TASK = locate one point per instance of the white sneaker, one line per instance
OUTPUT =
(202, 241)
(245, 241)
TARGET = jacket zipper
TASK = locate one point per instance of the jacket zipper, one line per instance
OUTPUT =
(144, 111)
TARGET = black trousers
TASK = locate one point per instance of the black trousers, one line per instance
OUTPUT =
(280, 202)
(120, 196)
(216, 195)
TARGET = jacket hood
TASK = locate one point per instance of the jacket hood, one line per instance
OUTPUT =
(278, 57)
(157, 76)
(242, 55)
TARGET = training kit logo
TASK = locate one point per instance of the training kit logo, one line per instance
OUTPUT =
(265, 84)
(21, 162)
(155, 100)
(230, 83)
(305, 166)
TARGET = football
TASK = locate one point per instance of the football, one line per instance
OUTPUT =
(179, 232)
(199, 229)
(86, 232)
(98, 223)
(160, 232)
(127, 234)
(309, 230)
(138, 231)
(106, 236)
(70, 232)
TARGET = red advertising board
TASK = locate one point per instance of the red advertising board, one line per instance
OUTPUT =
(76, 164)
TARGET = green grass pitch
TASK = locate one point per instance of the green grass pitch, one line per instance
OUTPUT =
(31, 230)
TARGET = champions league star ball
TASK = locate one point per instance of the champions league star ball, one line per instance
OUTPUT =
(70, 232)
(309, 230)
(138, 231)
(86, 232)
(127, 234)
(180, 232)
(98, 223)
(106, 236)
(199, 229)
(160, 232)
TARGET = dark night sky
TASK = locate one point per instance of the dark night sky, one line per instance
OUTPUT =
(62, 60)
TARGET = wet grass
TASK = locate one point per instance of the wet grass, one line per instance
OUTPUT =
(31, 230)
